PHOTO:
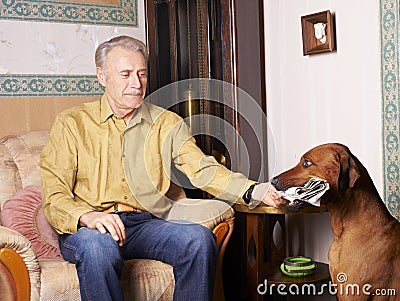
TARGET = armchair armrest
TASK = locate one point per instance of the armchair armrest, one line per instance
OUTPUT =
(17, 255)
(208, 213)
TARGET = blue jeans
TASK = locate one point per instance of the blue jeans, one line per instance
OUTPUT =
(189, 248)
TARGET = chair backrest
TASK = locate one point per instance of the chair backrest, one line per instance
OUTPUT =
(19, 162)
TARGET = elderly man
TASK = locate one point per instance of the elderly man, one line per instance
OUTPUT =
(105, 171)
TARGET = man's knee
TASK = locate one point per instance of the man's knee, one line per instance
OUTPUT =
(96, 248)
(202, 240)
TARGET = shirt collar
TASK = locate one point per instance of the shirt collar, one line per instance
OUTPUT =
(105, 109)
(140, 113)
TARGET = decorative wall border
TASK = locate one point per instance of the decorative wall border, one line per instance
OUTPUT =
(49, 85)
(124, 14)
(389, 29)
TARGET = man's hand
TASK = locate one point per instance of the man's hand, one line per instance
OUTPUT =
(105, 222)
(267, 194)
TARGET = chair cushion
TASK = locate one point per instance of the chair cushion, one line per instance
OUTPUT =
(142, 279)
(25, 151)
(9, 177)
(59, 280)
(145, 279)
(23, 212)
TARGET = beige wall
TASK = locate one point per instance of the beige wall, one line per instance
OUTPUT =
(22, 114)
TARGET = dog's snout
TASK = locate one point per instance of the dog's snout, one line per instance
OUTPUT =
(275, 181)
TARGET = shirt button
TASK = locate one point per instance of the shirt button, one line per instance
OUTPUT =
(125, 197)
(123, 179)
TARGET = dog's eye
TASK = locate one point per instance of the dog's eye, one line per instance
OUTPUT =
(306, 163)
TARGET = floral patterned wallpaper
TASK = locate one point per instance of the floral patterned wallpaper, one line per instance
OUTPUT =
(390, 74)
(122, 12)
(47, 47)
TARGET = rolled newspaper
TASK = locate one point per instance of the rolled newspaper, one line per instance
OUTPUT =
(310, 192)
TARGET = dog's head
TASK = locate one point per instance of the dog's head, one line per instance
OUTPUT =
(332, 162)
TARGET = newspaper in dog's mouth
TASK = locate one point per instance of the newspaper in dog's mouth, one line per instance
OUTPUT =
(308, 194)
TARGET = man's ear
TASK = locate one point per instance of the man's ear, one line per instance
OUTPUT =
(101, 76)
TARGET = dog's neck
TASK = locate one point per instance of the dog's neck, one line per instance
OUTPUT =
(346, 211)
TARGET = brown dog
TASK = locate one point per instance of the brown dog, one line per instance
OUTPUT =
(364, 257)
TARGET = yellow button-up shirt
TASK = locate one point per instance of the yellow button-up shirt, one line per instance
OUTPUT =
(93, 160)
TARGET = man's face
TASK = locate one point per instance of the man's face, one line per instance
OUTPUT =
(124, 78)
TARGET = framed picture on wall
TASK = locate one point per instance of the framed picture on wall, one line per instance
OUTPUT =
(318, 33)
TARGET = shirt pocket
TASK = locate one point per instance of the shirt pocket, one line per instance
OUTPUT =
(87, 180)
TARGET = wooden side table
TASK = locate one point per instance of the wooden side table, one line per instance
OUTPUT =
(264, 255)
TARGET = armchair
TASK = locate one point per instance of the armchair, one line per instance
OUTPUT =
(31, 267)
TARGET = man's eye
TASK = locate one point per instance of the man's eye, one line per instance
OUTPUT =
(306, 163)
(142, 74)
(125, 75)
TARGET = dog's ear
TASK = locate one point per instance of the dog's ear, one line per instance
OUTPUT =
(349, 172)
(354, 172)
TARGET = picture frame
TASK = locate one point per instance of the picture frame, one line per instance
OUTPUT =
(318, 33)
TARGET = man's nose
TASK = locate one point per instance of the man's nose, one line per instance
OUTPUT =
(134, 81)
